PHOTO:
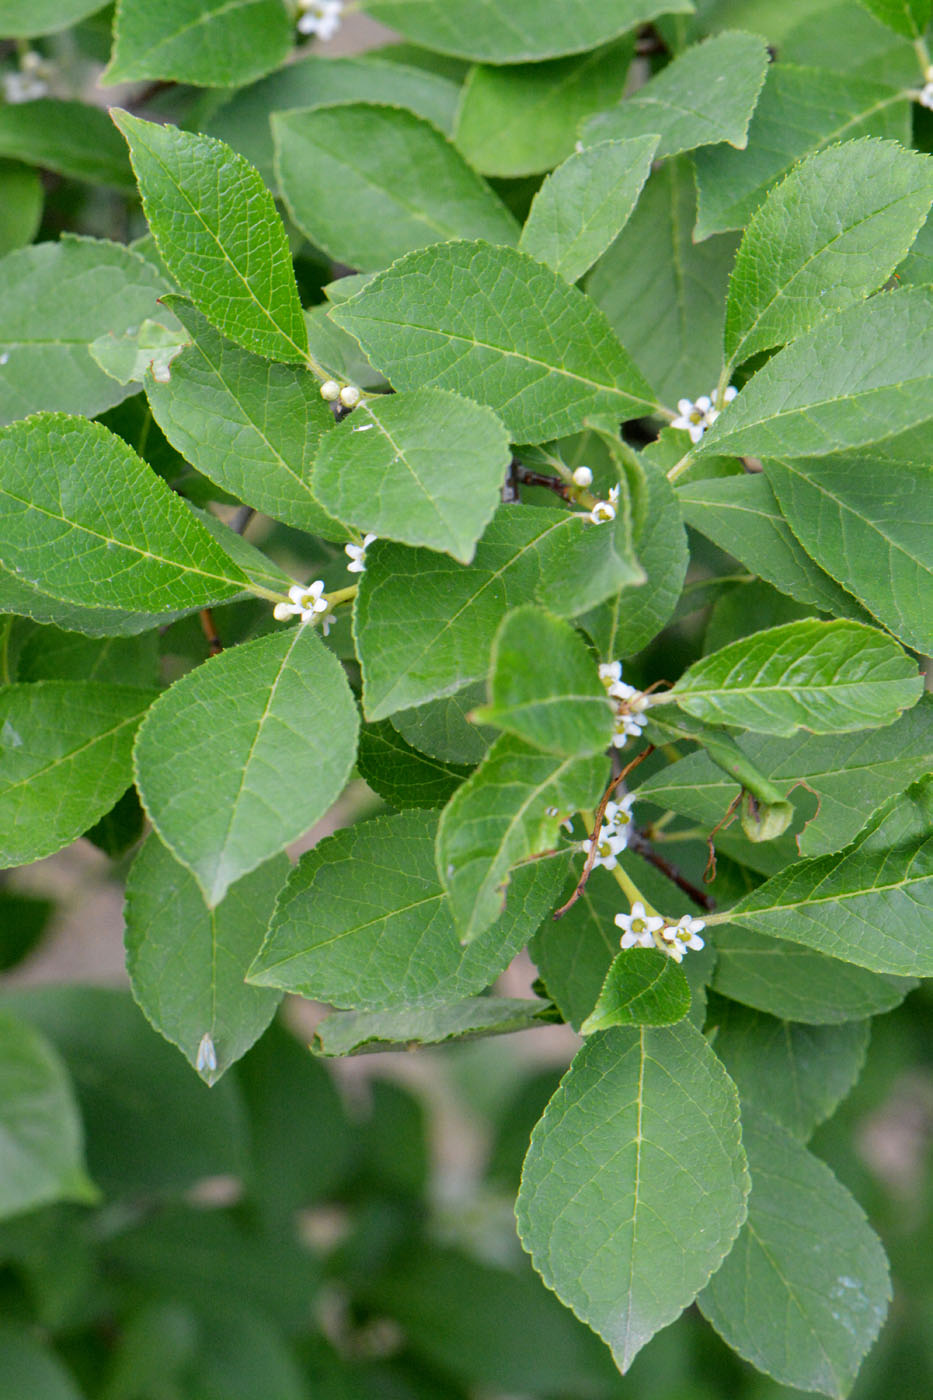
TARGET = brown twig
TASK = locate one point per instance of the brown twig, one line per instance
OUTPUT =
(240, 519)
(639, 843)
(527, 477)
(215, 645)
(600, 813)
(709, 874)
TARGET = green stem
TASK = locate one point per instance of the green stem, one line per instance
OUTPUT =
(923, 54)
(680, 467)
(631, 891)
(342, 595)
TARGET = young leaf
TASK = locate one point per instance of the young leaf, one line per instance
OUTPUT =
(41, 1149)
(264, 736)
(816, 1311)
(907, 17)
(642, 988)
(71, 138)
(217, 228)
(67, 756)
(642, 1134)
(364, 922)
(827, 677)
(506, 814)
(795, 1072)
(497, 326)
(401, 775)
(799, 111)
(870, 903)
(705, 96)
(544, 686)
(186, 963)
(368, 183)
(584, 205)
(250, 426)
(55, 299)
(832, 232)
(363, 1032)
(870, 525)
(529, 30)
(424, 468)
(209, 42)
(522, 120)
(96, 526)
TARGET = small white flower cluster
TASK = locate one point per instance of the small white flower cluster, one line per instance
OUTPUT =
(926, 92)
(695, 418)
(349, 395)
(320, 17)
(29, 82)
(604, 511)
(630, 704)
(642, 930)
(614, 833)
(357, 554)
(307, 602)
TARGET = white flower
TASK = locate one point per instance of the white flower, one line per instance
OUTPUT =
(619, 815)
(350, 396)
(330, 390)
(638, 927)
(307, 603)
(626, 727)
(926, 96)
(610, 673)
(604, 511)
(609, 843)
(683, 935)
(357, 553)
(583, 477)
(320, 17)
(29, 83)
(695, 418)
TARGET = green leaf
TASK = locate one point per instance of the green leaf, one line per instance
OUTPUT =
(583, 206)
(664, 295)
(244, 753)
(815, 1311)
(151, 346)
(706, 95)
(642, 1134)
(827, 677)
(66, 749)
(505, 815)
(30, 1367)
(797, 1073)
(497, 326)
(49, 654)
(401, 775)
(642, 988)
(26, 600)
(442, 729)
(544, 686)
(250, 426)
(424, 468)
(210, 42)
(41, 1142)
(867, 904)
(847, 38)
(584, 563)
(868, 524)
(907, 17)
(21, 19)
(741, 516)
(217, 228)
(186, 963)
(368, 183)
(794, 983)
(520, 121)
(799, 111)
(71, 138)
(21, 199)
(573, 954)
(364, 1032)
(55, 299)
(97, 527)
(363, 922)
(529, 30)
(830, 234)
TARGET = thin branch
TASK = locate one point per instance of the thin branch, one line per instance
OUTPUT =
(527, 477)
(214, 644)
(640, 844)
(241, 519)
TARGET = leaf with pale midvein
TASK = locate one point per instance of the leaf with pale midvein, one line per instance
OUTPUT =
(66, 750)
(440, 639)
(368, 183)
(209, 42)
(869, 904)
(507, 813)
(826, 677)
(741, 516)
(244, 753)
(218, 230)
(800, 110)
(641, 1137)
(41, 1139)
(544, 686)
(424, 468)
(250, 426)
(851, 775)
(796, 1072)
(870, 525)
(907, 17)
(502, 329)
(705, 96)
(803, 1314)
(363, 1032)
(364, 922)
(830, 234)
(55, 299)
(524, 31)
(643, 987)
(186, 963)
(585, 204)
(84, 519)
